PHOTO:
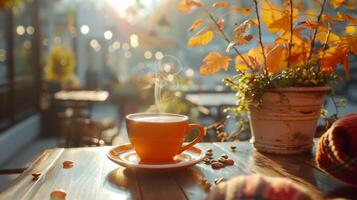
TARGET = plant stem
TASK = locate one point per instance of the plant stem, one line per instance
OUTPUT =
(324, 47)
(291, 31)
(312, 44)
(226, 38)
(260, 37)
(335, 105)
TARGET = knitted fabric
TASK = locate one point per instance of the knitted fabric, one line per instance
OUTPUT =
(337, 150)
(257, 187)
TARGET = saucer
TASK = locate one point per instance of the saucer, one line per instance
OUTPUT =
(126, 156)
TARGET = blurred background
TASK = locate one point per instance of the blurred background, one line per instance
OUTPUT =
(70, 70)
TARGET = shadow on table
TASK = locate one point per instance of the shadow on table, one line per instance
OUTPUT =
(148, 183)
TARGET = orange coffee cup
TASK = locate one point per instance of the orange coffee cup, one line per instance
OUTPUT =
(159, 137)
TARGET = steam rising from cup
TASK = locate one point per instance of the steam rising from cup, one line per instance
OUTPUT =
(166, 78)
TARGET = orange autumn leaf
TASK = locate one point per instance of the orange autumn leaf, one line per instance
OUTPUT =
(300, 53)
(203, 38)
(244, 11)
(330, 58)
(185, 6)
(214, 61)
(240, 37)
(255, 21)
(351, 29)
(222, 4)
(346, 17)
(242, 28)
(322, 33)
(254, 58)
(285, 37)
(339, 54)
(241, 41)
(348, 44)
(336, 3)
(276, 59)
(195, 3)
(275, 18)
(312, 25)
(195, 24)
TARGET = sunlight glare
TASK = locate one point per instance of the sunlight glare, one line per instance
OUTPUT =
(121, 5)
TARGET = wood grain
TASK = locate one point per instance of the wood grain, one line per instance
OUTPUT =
(94, 176)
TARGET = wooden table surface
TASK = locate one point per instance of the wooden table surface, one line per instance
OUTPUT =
(94, 176)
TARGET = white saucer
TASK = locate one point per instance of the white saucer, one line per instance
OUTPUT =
(126, 156)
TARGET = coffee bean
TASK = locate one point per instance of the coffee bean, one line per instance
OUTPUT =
(36, 176)
(233, 147)
(209, 154)
(222, 160)
(58, 194)
(224, 156)
(207, 161)
(229, 162)
(213, 161)
(218, 180)
(217, 165)
(67, 164)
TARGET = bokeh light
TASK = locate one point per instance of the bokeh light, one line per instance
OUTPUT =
(30, 30)
(148, 55)
(108, 35)
(20, 30)
(159, 55)
(85, 29)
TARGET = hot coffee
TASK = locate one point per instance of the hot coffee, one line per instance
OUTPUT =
(158, 137)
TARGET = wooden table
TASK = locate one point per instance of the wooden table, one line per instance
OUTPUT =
(94, 176)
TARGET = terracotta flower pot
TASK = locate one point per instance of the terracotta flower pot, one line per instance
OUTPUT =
(287, 120)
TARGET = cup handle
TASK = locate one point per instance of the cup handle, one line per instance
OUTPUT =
(197, 139)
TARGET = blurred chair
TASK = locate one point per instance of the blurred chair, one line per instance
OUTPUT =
(79, 131)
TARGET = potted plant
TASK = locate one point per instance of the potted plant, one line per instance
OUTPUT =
(279, 85)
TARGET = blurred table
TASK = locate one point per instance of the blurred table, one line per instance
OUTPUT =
(73, 114)
(212, 99)
(82, 95)
(94, 176)
(76, 100)
(212, 104)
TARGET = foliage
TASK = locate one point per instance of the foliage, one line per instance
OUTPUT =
(297, 32)
(61, 65)
(308, 45)
(7, 4)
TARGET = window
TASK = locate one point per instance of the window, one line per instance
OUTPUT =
(18, 58)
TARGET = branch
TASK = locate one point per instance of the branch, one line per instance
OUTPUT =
(260, 36)
(226, 38)
(324, 47)
(317, 27)
(291, 31)
(335, 105)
